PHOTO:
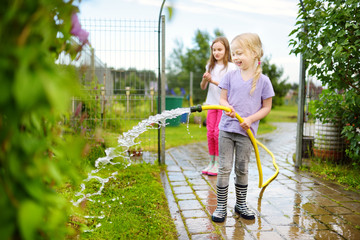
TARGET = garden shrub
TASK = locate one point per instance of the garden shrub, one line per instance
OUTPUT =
(35, 93)
(328, 36)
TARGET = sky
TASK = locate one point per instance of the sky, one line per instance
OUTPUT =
(272, 20)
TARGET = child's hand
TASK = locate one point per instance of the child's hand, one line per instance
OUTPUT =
(246, 124)
(207, 77)
(232, 113)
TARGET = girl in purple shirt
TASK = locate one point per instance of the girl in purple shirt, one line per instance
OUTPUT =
(249, 93)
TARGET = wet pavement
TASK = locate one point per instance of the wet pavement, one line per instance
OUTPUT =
(295, 205)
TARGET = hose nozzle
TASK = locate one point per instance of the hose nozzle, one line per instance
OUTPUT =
(197, 108)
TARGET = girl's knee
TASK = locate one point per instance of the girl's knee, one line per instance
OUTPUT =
(224, 170)
(241, 172)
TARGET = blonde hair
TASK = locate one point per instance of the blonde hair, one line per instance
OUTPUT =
(251, 42)
(227, 56)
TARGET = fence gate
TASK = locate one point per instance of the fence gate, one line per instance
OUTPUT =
(119, 74)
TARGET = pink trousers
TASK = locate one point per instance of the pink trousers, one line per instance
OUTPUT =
(212, 125)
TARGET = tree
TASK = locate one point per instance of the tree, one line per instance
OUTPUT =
(192, 60)
(195, 59)
(328, 36)
(275, 74)
(137, 80)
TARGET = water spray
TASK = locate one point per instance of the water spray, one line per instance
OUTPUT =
(254, 142)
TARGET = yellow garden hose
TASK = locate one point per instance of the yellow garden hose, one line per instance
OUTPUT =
(255, 142)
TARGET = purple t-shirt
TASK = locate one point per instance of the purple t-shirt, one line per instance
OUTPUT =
(244, 104)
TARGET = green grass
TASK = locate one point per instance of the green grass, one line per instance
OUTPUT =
(184, 134)
(133, 205)
(278, 114)
(285, 113)
(344, 174)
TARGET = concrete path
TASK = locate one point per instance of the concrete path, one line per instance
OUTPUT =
(294, 206)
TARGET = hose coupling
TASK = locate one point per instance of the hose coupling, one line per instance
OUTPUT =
(197, 108)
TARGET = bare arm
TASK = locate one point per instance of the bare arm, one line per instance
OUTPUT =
(206, 79)
(203, 83)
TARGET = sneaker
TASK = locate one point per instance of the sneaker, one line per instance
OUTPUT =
(205, 171)
(214, 170)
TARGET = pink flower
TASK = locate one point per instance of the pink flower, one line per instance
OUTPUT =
(77, 31)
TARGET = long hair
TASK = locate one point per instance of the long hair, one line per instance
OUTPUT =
(251, 42)
(227, 56)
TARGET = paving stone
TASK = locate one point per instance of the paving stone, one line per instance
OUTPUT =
(173, 168)
(326, 234)
(199, 225)
(201, 187)
(353, 219)
(212, 236)
(351, 194)
(186, 196)
(182, 190)
(205, 194)
(194, 214)
(179, 183)
(188, 168)
(176, 176)
(329, 192)
(309, 223)
(189, 204)
(232, 222)
(338, 210)
(314, 209)
(266, 235)
(173, 208)
(329, 219)
(269, 210)
(279, 220)
(310, 194)
(258, 224)
(325, 201)
(294, 232)
(296, 205)
(355, 206)
(236, 233)
(347, 231)
(198, 181)
(192, 174)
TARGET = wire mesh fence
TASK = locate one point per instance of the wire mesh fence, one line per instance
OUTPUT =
(118, 75)
(322, 139)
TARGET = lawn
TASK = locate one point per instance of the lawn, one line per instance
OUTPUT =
(132, 205)
(285, 113)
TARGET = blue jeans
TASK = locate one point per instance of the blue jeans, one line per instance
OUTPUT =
(233, 146)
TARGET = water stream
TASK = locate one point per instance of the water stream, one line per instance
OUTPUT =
(125, 142)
